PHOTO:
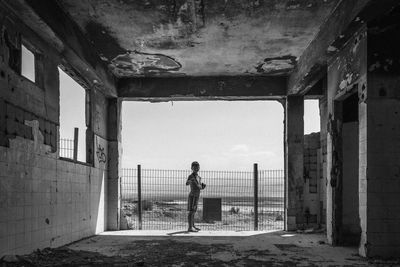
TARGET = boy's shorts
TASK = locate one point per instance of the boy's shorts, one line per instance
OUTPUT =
(192, 203)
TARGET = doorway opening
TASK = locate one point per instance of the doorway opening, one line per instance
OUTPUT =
(350, 227)
(346, 208)
(227, 138)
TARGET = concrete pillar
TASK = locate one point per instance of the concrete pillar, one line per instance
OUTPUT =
(379, 167)
(294, 133)
(323, 111)
(379, 143)
(333, 163)
(114, 164)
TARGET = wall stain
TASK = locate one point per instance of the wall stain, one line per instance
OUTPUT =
(107, 45)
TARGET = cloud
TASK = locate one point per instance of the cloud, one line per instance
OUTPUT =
(240, 148)
(243, 151)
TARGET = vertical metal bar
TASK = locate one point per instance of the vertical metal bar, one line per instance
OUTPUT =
(139, 186)
(255, 175)
(76, 134)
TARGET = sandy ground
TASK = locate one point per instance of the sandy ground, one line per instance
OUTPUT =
(165, 215)
(205, 248)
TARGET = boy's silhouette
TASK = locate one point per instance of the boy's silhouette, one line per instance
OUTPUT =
(194, 180)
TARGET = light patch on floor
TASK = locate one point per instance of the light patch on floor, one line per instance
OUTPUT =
(138, 233)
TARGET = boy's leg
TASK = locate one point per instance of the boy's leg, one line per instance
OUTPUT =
(196, 201)
(190, 220)
(191, 202)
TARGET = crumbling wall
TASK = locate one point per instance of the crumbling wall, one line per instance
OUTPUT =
(44, 201)
(323, 107)
(346, 76)
(368, 66)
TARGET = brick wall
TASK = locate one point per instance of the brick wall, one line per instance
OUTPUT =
(379, 167)
(312, 179)
(44, 201)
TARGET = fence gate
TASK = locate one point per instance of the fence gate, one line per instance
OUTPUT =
(164, 199)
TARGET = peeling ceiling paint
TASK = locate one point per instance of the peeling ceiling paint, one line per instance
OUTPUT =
(277, 65)
(199, 37)
(137, 63)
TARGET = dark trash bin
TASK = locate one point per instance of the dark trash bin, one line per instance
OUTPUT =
(212, 209)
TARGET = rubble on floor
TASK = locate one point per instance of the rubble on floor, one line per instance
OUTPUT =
(136, 248)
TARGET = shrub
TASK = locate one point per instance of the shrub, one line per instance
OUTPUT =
(279, 217)
(168, 214)
(147, 205)
(234, 210)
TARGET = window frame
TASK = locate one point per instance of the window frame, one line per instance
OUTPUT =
(68, 70)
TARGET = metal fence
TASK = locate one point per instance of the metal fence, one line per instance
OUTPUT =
(164, 199)
(67, 148)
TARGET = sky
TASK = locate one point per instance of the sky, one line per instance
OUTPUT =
(72, 112)
(221, 135)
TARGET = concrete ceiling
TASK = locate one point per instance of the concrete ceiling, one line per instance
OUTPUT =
(199, 37)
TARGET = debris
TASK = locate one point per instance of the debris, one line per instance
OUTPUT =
(9, 259)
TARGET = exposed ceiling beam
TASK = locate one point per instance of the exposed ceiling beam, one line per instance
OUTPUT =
(202, 88)
(344, 20)
(49, 21)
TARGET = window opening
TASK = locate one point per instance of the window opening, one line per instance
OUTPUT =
(311, 116)
(72, 118)
(27, 63)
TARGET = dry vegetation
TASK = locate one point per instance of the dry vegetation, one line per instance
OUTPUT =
(160, 215)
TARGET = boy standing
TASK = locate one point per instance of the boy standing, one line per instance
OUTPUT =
(194, 180)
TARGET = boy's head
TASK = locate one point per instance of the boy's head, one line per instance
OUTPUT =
(195, 166)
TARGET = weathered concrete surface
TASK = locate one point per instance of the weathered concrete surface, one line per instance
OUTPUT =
(379, 168)
(294, 163)
(323, 112)
(202, 88)
(312, 189)
(347, 17)
(45, 201)
(114, 163)
(207, 37)
(379, 110)
(346, 74)
(160, 248)
(52, 25)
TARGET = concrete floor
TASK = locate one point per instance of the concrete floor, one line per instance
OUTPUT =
(205, 248)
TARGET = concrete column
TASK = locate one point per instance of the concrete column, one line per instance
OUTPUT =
(379, 143)
(380, 166)
(323, 107)
(294, 141)
(114, 164)
(332, 163)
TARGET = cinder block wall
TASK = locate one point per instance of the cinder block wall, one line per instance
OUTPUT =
(312, 180)
(44, 201)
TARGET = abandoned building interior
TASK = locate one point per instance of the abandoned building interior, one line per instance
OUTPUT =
(345, 53)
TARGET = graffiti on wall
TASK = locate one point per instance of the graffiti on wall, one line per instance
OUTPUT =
(100, 152)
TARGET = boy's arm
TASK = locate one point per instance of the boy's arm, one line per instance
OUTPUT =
(189, 180)
(200, 184)
(197, 182)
